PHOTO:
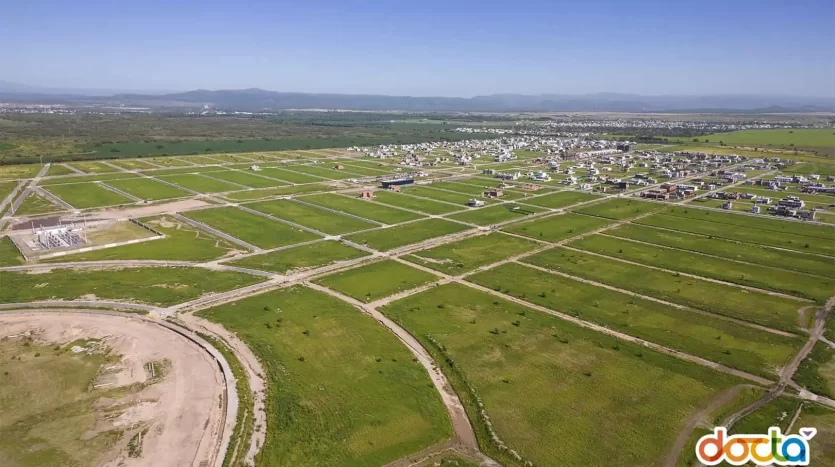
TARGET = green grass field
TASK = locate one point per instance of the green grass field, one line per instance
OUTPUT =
(757, 254)
(324, 171)
(817, 372)
(535, 379)
(363, 208)
(199, 183)
(459, 199)
(35, 204)
(251, 228)
(561, 199)
(812, 168)
(85, 178)
(282, 191)
(779, 280)
(133, 164)
(376, 280)
(767, 310)
(342, 389)
(302, 257)
(9, 256)
(475, 191)
(148, 189)
(246, 179)
(742, 233)
(778, 412)
(465, 255)
(401, 235)
(12, 172)
(57, 169)
(752, 350)
(822, 446)
(289, 175)
(408, 202)
(182, 243)
(92, 167)
(50, 410)
(87, 195)
(496, 214)
(154, 286)
(769, 225)
(312, 217)
(798, 137)
(620, 208)
(558, 228)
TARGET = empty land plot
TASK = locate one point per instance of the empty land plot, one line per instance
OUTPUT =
(301, 257)
(560, 199)
(246, 179)
(388, 238)
(168, 162)
(35, 204)
(779, 280)
(342, 389)
(407, 202)
(133, 164)
(620, 208)
(356, 170)
(202, 160)
(777, 412)
(312, 217)
(757, 254)
(146, 188)
(743, 234)
(718, 340)
(154, 286)
(370, 164)
(120, 231)
(58, 169)
(558, 228)
(440, 195)
(496, 214)
(754, 222)
(468, 254)
(12, 172)
(325, 173)
(535, 378)
(199, 183)
(817, 372)
(92, 167)
(85, 178)
(251, 195)
(87, 195)
(182, 242)
(727, 300)
(362, 208)
(289, 175)
(6, 188)
(9, 255)
(182, 170)
(376, 280)
(474, 190)
(251, 228)
(822, 446)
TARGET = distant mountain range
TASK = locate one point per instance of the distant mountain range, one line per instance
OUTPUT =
(262, 100)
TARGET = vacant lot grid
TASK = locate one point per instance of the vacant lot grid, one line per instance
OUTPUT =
(423, 205)
(10, 172)
(301, 257)
(92, 167)
(145, 188)
(246, 179)
(620, 208)
(323, 356)
(250, 195)
(555, 365)
(58, 169)
(715, 339)
(754, 222)
(778, 280)
(86, 178)
(376, 280)
(200, 183)
(87, 195)
(473, 190)
(289, 175)
(440, 195)
(312, 217)
(742, 234)
(349, 166)
(133, 164)
(366, 209)
(558, 227)
(727, 300)
(324, 172)
(465, 255)
(561, 199)
(495, 214)
(407, 234)
(35, 204)
(757, 254)
(251, 228)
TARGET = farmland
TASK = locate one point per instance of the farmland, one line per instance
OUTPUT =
(543, 357)
(376, 280)
(315, 350)
(251, 228)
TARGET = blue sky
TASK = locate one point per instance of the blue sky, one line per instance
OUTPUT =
(426, 47)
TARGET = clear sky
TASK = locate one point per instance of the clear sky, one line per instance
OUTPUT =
(424, 47)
